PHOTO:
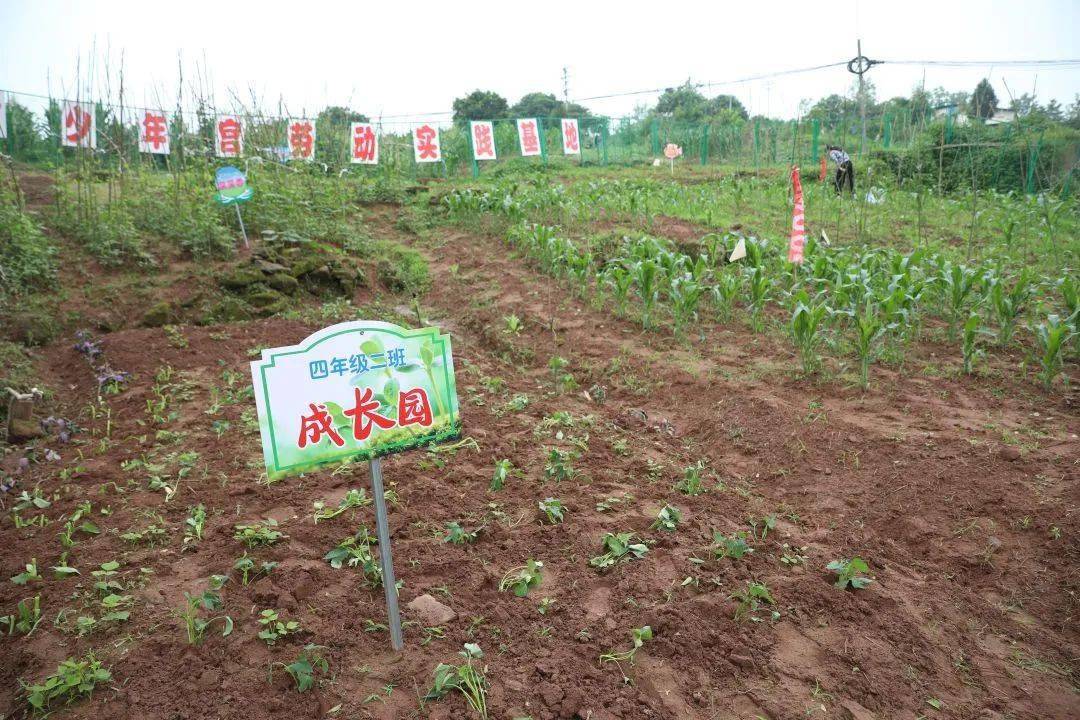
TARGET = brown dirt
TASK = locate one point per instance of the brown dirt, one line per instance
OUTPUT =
(973, 602)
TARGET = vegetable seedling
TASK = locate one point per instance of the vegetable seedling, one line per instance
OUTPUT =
(522, 579)
(847, 572)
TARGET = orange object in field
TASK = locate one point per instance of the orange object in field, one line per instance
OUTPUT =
(824, 167)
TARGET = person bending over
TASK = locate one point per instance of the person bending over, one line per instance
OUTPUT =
(845, 171)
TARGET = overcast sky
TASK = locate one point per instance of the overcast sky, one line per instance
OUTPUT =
(416, 57)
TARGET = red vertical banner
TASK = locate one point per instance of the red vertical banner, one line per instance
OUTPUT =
(824, 167)
(798, 221)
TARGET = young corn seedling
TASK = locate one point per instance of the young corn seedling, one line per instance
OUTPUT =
(502, 471)
(618, 548)
(1009, 304)
(723, 294)
(685, 295)
(72, 680)
(620, 281)
(805, 329)
(848, 573)
(1052, 336)
(304, 668)
(553, 510)
(467, 679)
(759, 286)
(969, 345)
(274, 628)
(260, 534)
(194, 625)
(869, 329)
(522, 579)
(751, 599)
(668, 519)
(645, 275)
(958, 283)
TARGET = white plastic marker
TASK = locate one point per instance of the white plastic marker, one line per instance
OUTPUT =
(739, 252)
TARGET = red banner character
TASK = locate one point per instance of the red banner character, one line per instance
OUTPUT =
(365, 146)
(229, 137)
(530, 140)
(414, 408)
(78, 126)
(571, 143)
(483, 142)
(155, 133)
(302, 140)
(317, 424)
(364, 414)
(798, 220)
(426, 143)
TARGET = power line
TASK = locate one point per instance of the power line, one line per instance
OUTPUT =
(987, 63)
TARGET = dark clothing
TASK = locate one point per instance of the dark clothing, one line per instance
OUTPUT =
(845, 174)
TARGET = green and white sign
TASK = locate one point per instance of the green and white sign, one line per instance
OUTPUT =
(356, 390)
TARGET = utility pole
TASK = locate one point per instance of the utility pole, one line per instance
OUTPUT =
(565, 86)
(859, 65)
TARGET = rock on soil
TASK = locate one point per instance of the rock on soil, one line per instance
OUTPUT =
(430, 611)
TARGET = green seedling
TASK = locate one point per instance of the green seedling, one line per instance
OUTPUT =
(767, 523)
(553, 509)
(848, 573)
(559, 465)
(668, 519)
(259, 534)
(750, 599)
(28, 575)
(618, 547)
(274, 627)
(969, 343)
(502, 470)
(249, 572)
(354, 498)
(692, 482)
(639, 636)
(195, 524)
(522, 579)
(356, 552)
(467, 679)
(731, 546)
(72, 680)
(105, 582)
(26, 618)
(304, 669)
(153, 534)
(456, 535)
(512, 324)
(194, 625)
(545, 605)
(1052, 336)
(793, 555)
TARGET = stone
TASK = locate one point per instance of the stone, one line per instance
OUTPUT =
(23, 430)
(263, 297)
(271, 268)
(159, 314)
(1009, 453)
(283, 282)
(744, 661)
(241, 278)
(430, 611)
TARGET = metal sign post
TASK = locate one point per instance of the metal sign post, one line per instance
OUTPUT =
(382, 528)
(242, 230)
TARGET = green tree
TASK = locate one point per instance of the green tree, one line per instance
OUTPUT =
(479, 105)
(722, 103)
(682, 103)
(536, 104)
(983, 100)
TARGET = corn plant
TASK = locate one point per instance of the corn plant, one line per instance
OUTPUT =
(645, 275)
(759, 287)
(1070, 292)
(1008, 304)
(805, 329)
(958, 283)
(620, 280)
(869, 329)
(1052, 337)
(468, 679)
(723, 294)
(685, 296)
(969, 345)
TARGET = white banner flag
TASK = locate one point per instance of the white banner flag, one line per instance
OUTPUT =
(3, 116)
(365, 144)
(571, 141)
(154, 132)
(79, 126)
(529, 136)
(228, 136)
(483, 139)
(426, 144)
